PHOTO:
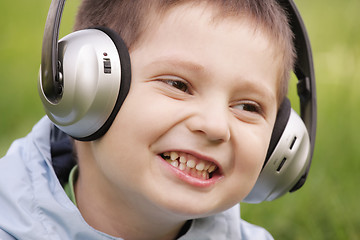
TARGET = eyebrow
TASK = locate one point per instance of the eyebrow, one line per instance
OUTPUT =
(260, 90)
(178, 63)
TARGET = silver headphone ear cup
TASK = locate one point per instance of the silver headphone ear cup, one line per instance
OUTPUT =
(92, 75)
(286, 165)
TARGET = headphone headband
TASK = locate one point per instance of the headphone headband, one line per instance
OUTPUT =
(51, 79)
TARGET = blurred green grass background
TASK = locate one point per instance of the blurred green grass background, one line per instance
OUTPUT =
(327, 207)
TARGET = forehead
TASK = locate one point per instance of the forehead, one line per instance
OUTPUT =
(208, 18)
(218, 11)
(210, 15)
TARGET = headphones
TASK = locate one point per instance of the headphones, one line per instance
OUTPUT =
(85, 77)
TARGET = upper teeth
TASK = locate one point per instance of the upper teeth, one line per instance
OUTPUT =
(190, 164)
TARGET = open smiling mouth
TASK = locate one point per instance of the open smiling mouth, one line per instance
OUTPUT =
(191, 165)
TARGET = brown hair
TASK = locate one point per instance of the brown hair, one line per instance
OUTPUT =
(130, 19)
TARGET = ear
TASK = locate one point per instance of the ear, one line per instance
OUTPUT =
(287, 159)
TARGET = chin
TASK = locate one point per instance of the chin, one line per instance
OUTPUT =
(191, 207)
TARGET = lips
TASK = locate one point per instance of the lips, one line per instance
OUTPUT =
(191, 165)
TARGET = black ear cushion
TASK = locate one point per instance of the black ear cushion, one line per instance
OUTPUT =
(124, 84)
(282, 119)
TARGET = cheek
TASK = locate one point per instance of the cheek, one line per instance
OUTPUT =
(132, 122)
(116, 150)
(140, 122)
(145, 116)
(250, 166)
(119, 160)
(251, 145)
(250, 156)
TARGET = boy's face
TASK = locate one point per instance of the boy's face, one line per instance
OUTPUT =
(205, 91)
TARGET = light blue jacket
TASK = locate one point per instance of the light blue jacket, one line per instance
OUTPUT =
(34, 206)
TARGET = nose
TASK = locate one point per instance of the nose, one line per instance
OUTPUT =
(212, 121)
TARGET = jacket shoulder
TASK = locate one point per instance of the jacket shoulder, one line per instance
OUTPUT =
(5, 236)
(251, 231)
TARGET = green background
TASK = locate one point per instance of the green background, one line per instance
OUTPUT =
(327, 207)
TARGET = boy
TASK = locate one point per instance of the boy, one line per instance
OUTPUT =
(188, 142)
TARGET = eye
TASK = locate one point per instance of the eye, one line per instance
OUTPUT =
(177, 84)
(247, 107)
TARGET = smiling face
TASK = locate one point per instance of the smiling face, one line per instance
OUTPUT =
(192, 135)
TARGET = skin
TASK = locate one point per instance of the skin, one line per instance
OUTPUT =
(198, 86)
